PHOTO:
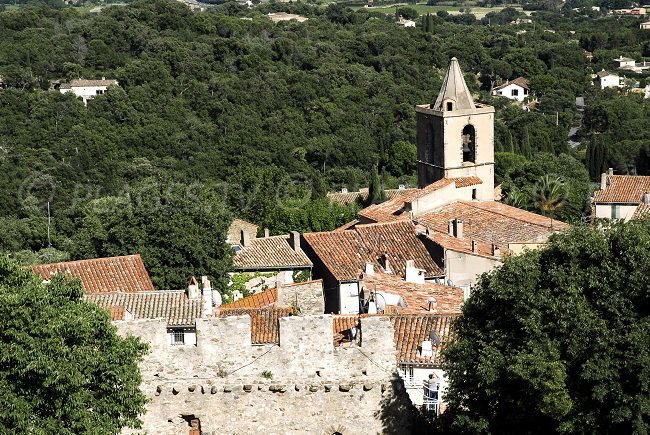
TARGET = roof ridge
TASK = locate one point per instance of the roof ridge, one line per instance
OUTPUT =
(476, 205)
(88, 260)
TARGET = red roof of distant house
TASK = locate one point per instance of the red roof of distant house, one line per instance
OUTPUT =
(345, 253)
(448, 299)
(273, 252)
(257, 300)
(492, 222)
(642, 212)
(412, 329)
(519, 81)
(623, 189)
(111, 274)
(265, 322)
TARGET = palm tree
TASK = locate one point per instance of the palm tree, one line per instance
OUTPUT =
(549, 195)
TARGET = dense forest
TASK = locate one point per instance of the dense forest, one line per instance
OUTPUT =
(222, 113)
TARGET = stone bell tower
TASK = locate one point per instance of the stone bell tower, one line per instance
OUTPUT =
(455, 136)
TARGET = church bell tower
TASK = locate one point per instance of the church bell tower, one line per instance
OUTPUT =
(455, 136)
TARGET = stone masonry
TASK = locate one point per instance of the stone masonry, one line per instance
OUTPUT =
(304, 385)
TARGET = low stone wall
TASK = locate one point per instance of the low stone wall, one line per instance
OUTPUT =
(303, 385)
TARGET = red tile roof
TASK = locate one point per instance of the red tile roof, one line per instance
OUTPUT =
(460, 245)
(492, 222)
(400, 241)
(345, 253)
(237, 225)
(257, 300)
(642, 212)
(265, 322)
(172, 305)
(395, 209)
(270, 253)
(623, 189)
(519, 81)
(412, 329)
(112, 274)
(448, 299)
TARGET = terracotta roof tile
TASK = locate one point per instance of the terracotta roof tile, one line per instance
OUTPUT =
(624, 189)
(642, 212)
(172, 305)
(394, 209)
(265, 325)
(81, 83)
(492, 222)
(448, 299)
(345, 253)
(412, 329)
(257, 300)
(341, 198)
(460, 245)
(270, 253)
(519, 81)
(112, 274)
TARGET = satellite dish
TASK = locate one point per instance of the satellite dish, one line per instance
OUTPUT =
(450, 283)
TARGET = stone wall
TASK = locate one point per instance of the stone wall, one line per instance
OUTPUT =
(307, 296)
(303, 385)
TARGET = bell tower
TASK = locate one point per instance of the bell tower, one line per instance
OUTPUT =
(455, 136)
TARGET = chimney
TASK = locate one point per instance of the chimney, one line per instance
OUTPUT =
(458, 228)
(193, 289)
(451, 227)
(603, 181)
(646, 198)
(610, 171)
(427, 349)
(496, 252)
(475, 246)
(370, 269)
(413, 274)
(245, 241)
(344, 190)
(294, 240)
(432, 304)
(207, 296)
(386, 263)
(267, 233)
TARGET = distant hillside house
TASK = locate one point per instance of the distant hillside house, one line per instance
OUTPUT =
(607, 80)
(516, 89)
(87, 89)
(276, 17)
(405, 23)
(645, 26)
(622, 197)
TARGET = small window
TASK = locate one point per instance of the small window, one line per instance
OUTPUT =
(178, 336)
(525, 91)
(515, 92)
(99, 92)
(616, 211)
(450, 106)
(474, 194)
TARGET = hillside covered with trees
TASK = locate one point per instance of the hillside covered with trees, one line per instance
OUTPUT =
(224, 113)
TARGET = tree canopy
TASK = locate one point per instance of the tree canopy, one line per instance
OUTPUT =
(557, 340)
(63, 368)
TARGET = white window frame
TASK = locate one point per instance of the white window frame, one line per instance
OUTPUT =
(178, 337)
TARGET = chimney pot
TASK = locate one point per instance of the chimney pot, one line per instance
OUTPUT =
(646, 198)
(193, 289)
(603, 181)
(344, 190)
(496, 252)
(267, 233)
(370, 269)
(458, 228)
(474, 246)
(294, 240)
(386, 263)
(610, 171)
(451, 227)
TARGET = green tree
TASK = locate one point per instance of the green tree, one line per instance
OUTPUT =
(376, 192)
(557, 340)
(63, 368)
(179, 229)
(549, 195)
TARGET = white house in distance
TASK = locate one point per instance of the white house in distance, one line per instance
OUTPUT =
(607, 80)
(87, 89)
(622, 196)
(516, 89)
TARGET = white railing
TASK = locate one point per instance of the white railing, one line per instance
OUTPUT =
(431, 405)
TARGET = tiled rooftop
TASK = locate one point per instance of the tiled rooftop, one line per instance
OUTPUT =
(412, 329)
(448, 299)
(623, 189)
(81, 83)
(111, 274)
(394, 209)
(265, 326)
(270, 253)
(257, 300)
(492, 222)
(345, 253)
(172, 305)
(347, 198)
(642, 212)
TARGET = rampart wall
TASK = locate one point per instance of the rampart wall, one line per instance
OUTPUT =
(303, 385)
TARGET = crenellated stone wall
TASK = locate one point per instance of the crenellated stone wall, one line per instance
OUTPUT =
(303, 385)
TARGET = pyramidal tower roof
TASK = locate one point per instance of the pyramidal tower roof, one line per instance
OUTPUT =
(454, 89)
